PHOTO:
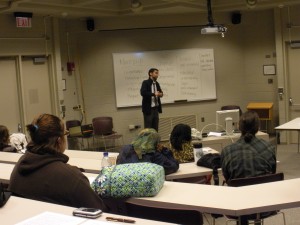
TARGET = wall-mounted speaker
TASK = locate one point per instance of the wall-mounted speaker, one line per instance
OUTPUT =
(236, 18)
(90, 24)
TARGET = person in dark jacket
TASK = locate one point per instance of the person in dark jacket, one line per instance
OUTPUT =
(4, 140)
(43, 174)
(146, 148)
(151, 105)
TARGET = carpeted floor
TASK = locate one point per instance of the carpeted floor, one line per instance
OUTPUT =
(289, 164)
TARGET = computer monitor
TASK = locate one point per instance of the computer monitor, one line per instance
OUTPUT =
(227, 120)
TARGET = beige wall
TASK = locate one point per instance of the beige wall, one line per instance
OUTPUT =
(239, 59)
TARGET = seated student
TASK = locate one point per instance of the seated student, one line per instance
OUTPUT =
(183, 151)
(146, 148)
(19, 141)
(249, 156)
(4, 140)
(43, 174)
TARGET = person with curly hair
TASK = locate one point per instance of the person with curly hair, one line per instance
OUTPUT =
(183, 150)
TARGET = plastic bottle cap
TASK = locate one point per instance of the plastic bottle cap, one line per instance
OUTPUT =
(105, 154)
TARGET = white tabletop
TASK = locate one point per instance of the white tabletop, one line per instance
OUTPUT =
(187, 170)
(88, 163)
(227, 200)
(10, 157)
(291, 125)
(87, 154)
(19, 209)
(6, 170)
(220, 142)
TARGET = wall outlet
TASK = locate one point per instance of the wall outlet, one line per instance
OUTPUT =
(131, 127)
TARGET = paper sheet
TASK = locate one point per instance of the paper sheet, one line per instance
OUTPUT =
(50, 218)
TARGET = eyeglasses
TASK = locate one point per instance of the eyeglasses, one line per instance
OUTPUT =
(66, 132)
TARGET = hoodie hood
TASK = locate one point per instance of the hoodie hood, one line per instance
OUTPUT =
(31, 162)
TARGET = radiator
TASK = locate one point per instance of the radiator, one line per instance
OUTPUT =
(166, 124)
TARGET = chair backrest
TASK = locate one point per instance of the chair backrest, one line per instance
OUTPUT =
(256, 180)
(165, 214)
(102, 125)
(229, 107)
(72, 123)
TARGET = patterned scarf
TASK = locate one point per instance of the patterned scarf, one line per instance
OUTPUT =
(146, 142)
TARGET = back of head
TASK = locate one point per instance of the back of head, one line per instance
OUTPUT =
(4, 136)
(181, 133)
(249, 124)
(46, 131)
(146, 142)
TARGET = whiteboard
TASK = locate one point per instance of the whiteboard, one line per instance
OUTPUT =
(184, 75)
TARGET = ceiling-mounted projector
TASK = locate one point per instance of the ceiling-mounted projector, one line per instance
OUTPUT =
(216, 29)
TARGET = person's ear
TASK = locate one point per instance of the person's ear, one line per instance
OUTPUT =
(59, 141)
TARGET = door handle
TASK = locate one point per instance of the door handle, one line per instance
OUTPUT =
(19, 128)
(291, 101)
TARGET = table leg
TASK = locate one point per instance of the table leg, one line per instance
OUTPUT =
(276, 136)
(298, 139)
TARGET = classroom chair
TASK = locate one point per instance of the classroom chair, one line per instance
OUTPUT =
(78, 132)
(257, 218)
(229, 107)
(103, 132)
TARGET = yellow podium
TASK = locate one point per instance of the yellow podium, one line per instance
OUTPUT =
(264, 111)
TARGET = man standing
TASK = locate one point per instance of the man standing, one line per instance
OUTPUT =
(151, 105)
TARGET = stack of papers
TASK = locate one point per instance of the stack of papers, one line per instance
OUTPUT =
(214, 134)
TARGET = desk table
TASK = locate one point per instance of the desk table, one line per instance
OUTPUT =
(88, 154)
(218, 143)
(18, 209)
(6, 170)
(10, 157)
(187, 170)
(236, 201)
(90, 165)
(293, 125)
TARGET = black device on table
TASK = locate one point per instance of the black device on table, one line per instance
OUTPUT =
(87, 212)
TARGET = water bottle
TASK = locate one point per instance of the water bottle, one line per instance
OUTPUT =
(105, 160)
(198, 152)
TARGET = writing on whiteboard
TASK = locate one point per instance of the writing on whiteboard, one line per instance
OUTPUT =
(184, 74)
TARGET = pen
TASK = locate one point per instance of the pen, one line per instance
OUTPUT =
(118, 219)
